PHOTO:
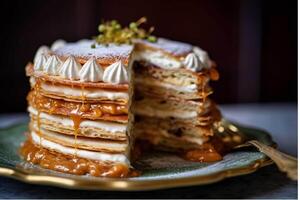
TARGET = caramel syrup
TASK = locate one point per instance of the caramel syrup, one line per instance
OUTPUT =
(36, 89)
(76, 118)
(66, 164)
(76, 123)
(55, 106)
(37, 86)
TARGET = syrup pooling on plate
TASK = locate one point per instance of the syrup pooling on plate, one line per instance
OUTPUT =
(206, 154)
(73, 165)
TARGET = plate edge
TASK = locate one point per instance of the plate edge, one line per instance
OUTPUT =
(131, 185)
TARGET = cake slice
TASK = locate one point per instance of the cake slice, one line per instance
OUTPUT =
(79, 109)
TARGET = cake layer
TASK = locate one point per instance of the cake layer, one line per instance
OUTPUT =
(86, 127)
(149, 81)
(162, 108)
(70, 151)
(172, 127)
(79, 142)
(183, 117)
(90, 132)
(158, 58)
(101, 111)
(78, 94)
(151, 87)
(179, 77)
(60, 80)
(172, 48)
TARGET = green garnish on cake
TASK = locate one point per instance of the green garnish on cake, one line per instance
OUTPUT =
(113, 32)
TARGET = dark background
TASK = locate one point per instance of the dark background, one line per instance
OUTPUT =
(254, 42)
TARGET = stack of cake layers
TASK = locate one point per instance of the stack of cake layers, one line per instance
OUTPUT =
(171, 105)
(79, 107)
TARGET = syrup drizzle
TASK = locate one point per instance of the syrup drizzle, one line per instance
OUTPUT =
(36, 88)
(77, 118)
(76, 124)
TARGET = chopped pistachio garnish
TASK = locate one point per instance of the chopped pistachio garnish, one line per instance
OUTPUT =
(113, 32)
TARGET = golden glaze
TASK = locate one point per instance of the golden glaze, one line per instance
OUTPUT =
(76, 123)
(56, 106)
(207, 153)
(72, 165)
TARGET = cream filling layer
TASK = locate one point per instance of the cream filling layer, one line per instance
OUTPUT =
(158, 58)
(88, 93)
(100, 156)
(92, 143)
(188, 88)
(149, 111)
(107, 126)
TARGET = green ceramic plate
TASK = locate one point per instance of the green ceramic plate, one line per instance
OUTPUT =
(160, 170)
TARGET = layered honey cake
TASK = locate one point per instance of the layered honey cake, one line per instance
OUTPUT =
(172, 108)
(92, 102)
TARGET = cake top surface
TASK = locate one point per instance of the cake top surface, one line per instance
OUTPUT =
(173, 47)
(113, 52)
(84, 50)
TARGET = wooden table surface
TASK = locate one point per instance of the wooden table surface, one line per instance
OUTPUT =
(278, 119)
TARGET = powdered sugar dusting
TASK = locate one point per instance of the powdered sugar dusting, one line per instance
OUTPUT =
(83, 49)
(170, 46)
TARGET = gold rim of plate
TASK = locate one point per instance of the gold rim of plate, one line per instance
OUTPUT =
(130, 184)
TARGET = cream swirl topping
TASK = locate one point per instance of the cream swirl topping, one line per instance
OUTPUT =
(70, 69)
(41, 50)
(116, 73)
(203, 56)
(52, 65)
(193, 62)
(58, 44)
(40, 62)
(91, 71)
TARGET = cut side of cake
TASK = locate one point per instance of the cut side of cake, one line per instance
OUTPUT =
(172, 108)
(92, 105)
